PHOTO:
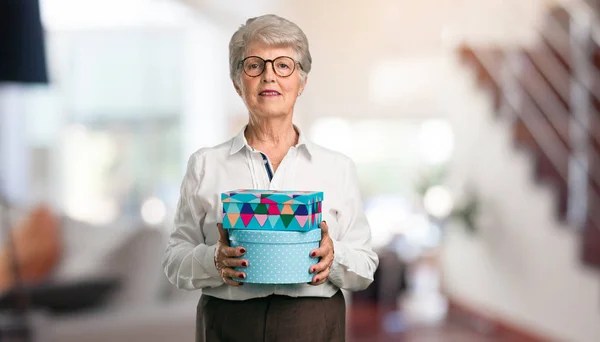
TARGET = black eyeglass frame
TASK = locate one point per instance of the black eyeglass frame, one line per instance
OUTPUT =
(265, 61)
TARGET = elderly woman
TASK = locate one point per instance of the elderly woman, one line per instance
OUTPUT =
(269, 62)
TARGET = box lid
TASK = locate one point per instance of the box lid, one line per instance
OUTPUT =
(272, 196)
(241, 236)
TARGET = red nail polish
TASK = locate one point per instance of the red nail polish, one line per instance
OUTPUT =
(244, 264)
(317, 280)
(243, 250)
(242, 276)
(312, 270)
(314, 254)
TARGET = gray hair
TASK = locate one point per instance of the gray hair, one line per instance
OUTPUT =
(271, 30)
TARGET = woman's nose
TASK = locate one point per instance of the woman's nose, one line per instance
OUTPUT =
(269, 74)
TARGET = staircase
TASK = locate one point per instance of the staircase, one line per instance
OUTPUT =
(550, 94)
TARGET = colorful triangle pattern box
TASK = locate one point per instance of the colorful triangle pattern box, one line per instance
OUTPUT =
(251, 209)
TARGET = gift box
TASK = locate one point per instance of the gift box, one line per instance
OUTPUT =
(276, 257)
(271, 210)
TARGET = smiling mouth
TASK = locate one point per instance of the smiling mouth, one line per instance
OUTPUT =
(269, 93)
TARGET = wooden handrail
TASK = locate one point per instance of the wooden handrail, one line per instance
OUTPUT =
(540, 128)
(550, 144)
(556, 37)
(553, 69)
(538, 90)
(552, 107)
(555, 72)
(542, 95)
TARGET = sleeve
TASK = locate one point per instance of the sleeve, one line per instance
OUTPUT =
(188, 262)
(354, 261)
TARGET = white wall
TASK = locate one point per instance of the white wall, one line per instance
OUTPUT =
(352, 39)
(523, 266)
(14, 161)
(206, 90)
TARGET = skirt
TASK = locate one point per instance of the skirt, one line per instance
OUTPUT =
(272, 319)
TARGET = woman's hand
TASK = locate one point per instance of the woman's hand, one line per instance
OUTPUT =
(225, 259)
(326, 253)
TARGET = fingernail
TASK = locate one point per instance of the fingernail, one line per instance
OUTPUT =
(314, 254)
(242, 276)
(244, 264)
(312, 270)
(317, 280)
(243, 250)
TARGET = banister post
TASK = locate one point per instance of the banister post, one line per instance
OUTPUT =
(580, 32)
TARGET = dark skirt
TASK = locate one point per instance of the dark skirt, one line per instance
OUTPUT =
(272, 319)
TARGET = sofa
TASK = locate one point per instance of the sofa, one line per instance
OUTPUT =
(143, 306)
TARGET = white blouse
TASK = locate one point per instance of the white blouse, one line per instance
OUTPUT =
(189, 258)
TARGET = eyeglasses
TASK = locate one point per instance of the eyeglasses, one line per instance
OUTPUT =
(283, 66)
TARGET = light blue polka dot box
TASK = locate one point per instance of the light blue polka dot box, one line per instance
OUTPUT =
(272, 210)
(276, 257)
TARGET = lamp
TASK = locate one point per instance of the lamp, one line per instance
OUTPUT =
(22, 48)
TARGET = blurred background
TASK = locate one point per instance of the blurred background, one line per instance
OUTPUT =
(474, 125)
